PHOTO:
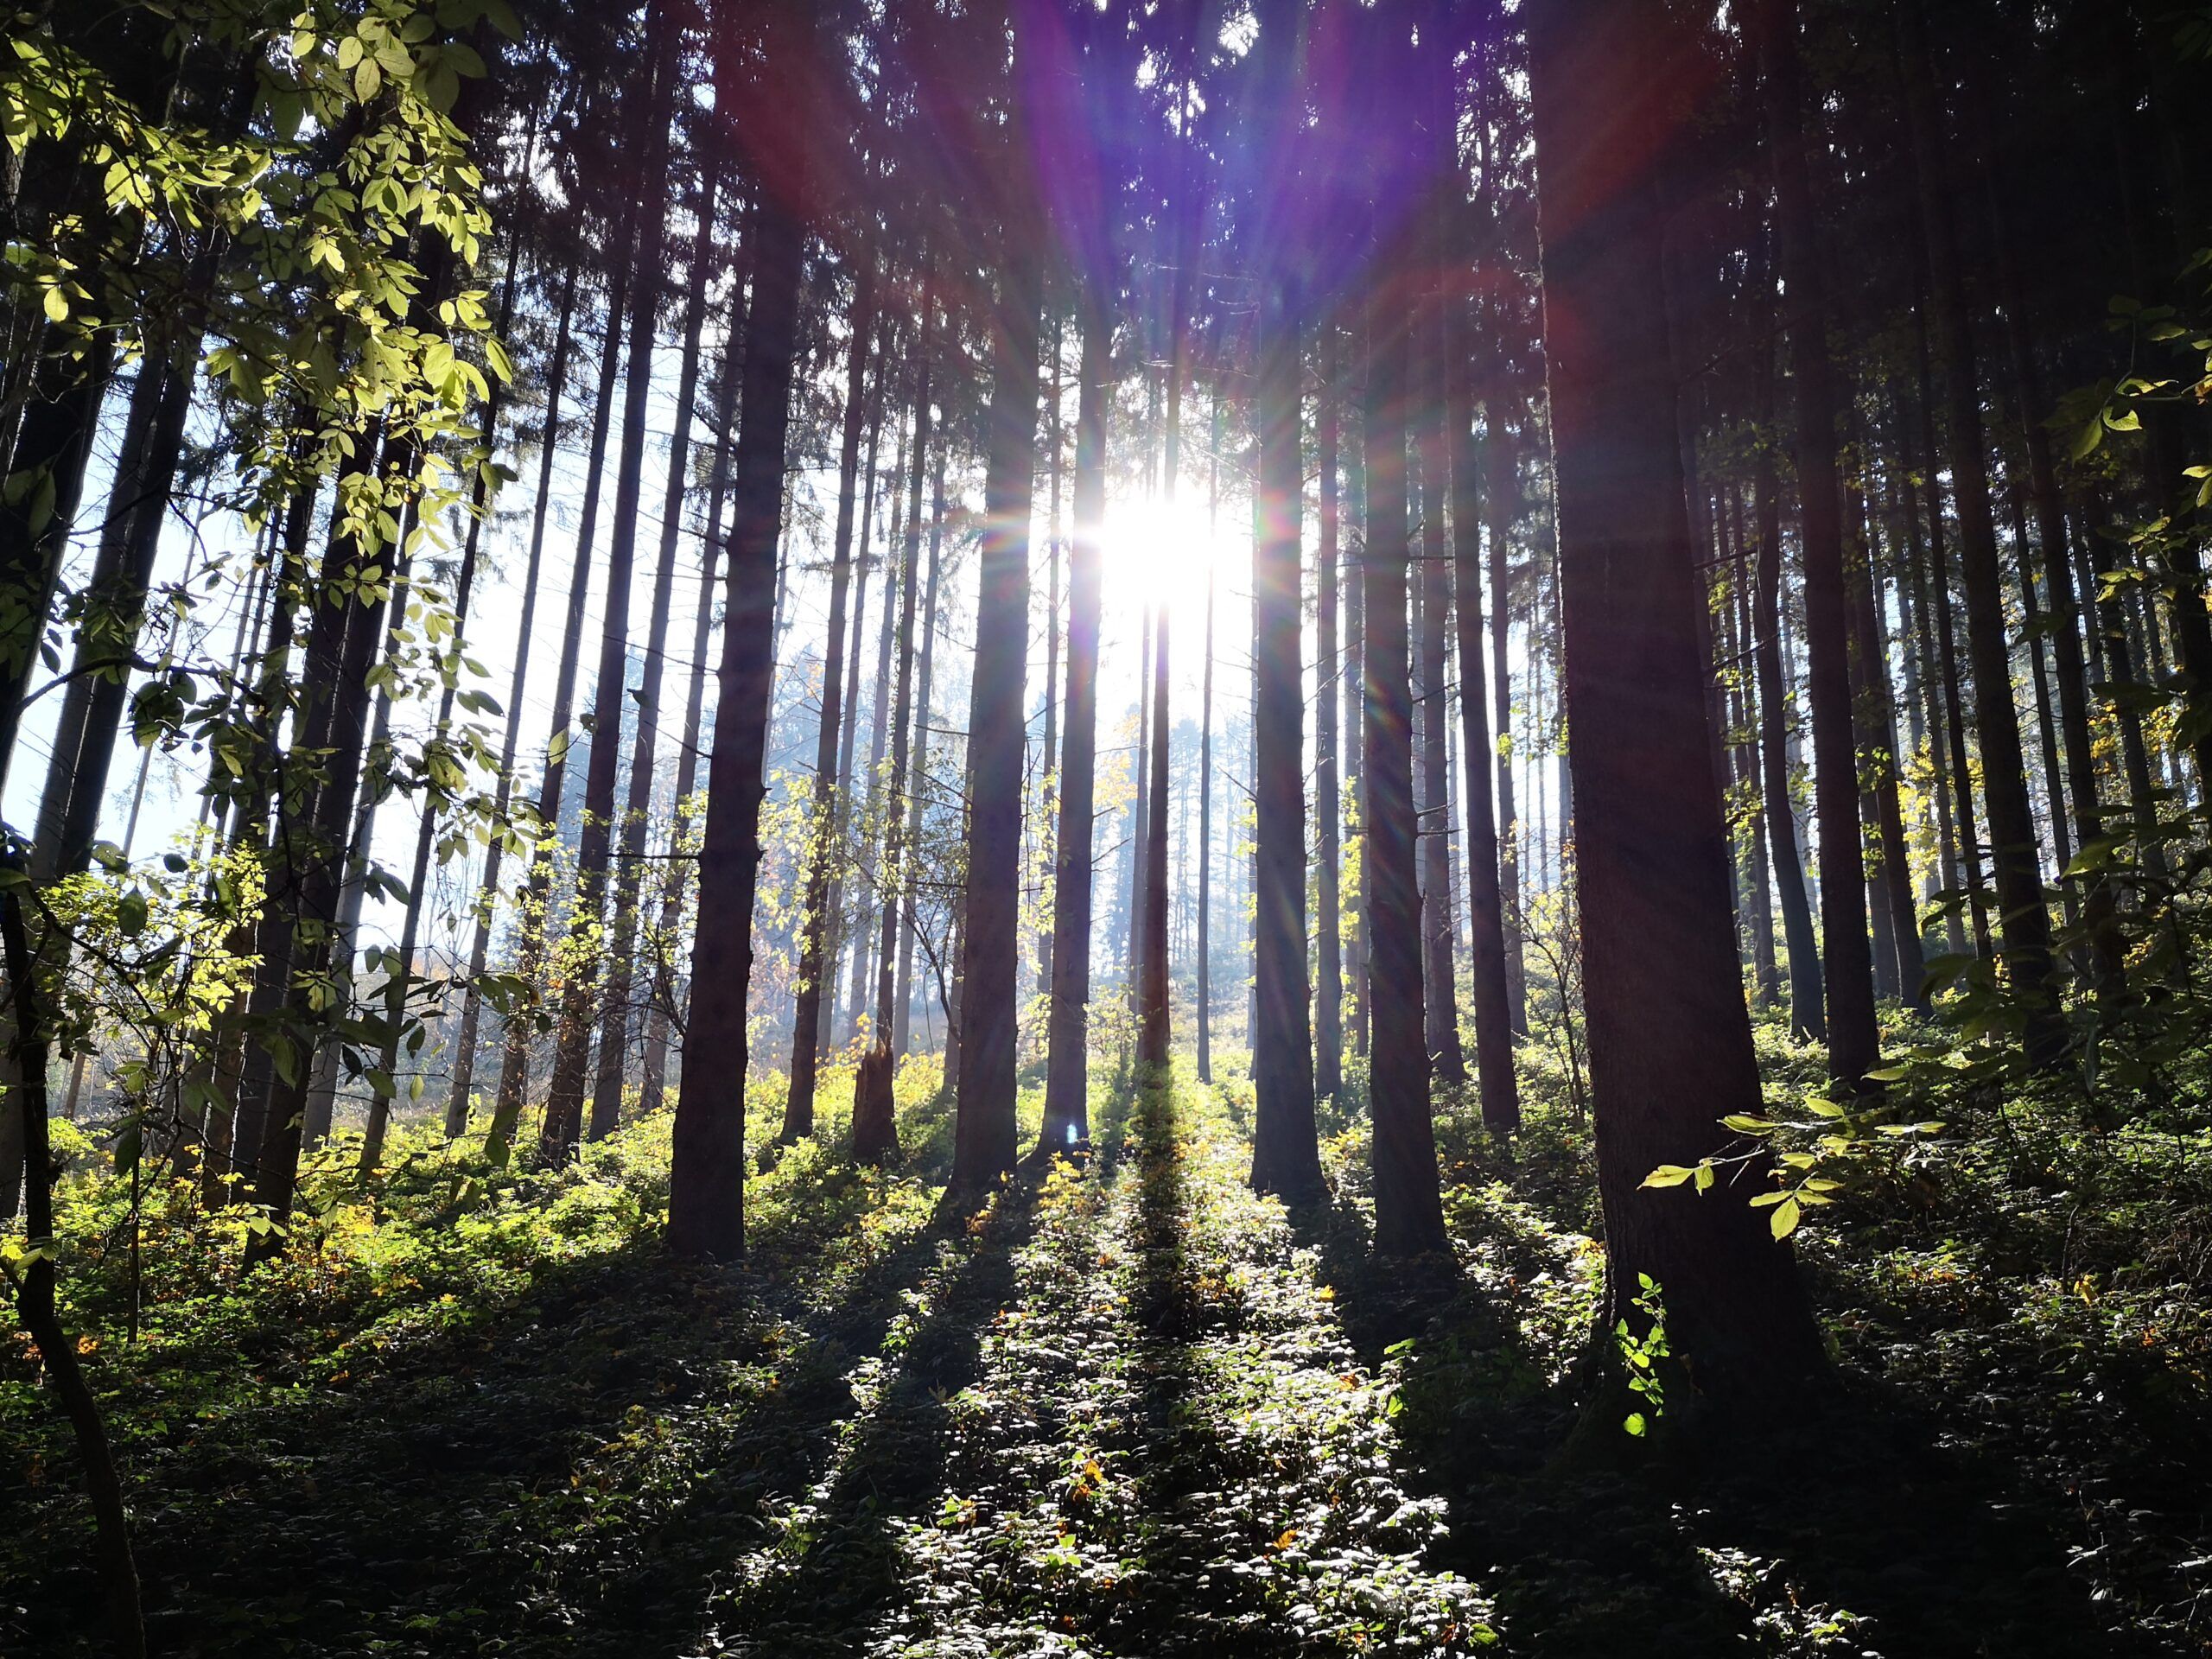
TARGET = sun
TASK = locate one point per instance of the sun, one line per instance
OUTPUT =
(1163, 553)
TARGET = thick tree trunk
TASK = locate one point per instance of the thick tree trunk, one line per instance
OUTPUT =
(1408, 1206)
(1286, 1149)
(984, 1136)
(1670, 1041)
(706, 1205)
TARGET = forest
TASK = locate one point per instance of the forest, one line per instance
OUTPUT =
(954, 828)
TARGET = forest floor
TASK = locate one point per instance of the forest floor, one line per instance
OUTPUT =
(1126, 1408)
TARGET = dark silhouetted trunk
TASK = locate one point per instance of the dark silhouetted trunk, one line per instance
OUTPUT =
(1286, 1152)
(564, 1095)
(615, 1010)
(2024, 920)
(814, 961)
(464, 1064)
(1328, 807)
(706, 1202)
(1808, 1004)
(514, 1064)
(1409, 1208)
(1500, 491)
(1670, 1037)
(1847, 966)
(1500, 1092)
(983, 1138)
(875, 1128)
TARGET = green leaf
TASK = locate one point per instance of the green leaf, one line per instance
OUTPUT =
(57, 305)
(1668, 1175)
(1636, 1425)
(1783, 1221)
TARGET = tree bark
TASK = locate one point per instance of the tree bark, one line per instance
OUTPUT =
(1067, 1112)
(1807, 1003)
(875, 1128)
(621, 978)
(514, 1064)
(1408, 1205)
(2025, 924)
(984, 1134)
(1854, 1041)
(706, 1208)
(1670, 1037)
(464, 1066)
(806, 1018)
(1328, 805)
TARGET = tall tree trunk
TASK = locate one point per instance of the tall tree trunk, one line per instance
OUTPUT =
(871, 820)
(2108, 952)
(1490, 976)
(1353, 747)
(1151, 991)
(984, 1134)
(1854, 1042)
(1500, 491)
(1408, 1205)
(822, 851)
(1893, 898)
(35, 1300)
(514, 1063)
(2024, 920)
(564, 1095)
(1067, 1112)
(1808, 1001)
(621, 978)
(316, 851)
(1670, 1041)
(1140, 813)
(1050, 754)
(875, 1128)
(706, 1202)
(1947, 736)
(464, 1066)
(918, 783)
(1440, 1002)
(840, 933)
(1328, 806)
(1743, 721)
(653, 1081)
